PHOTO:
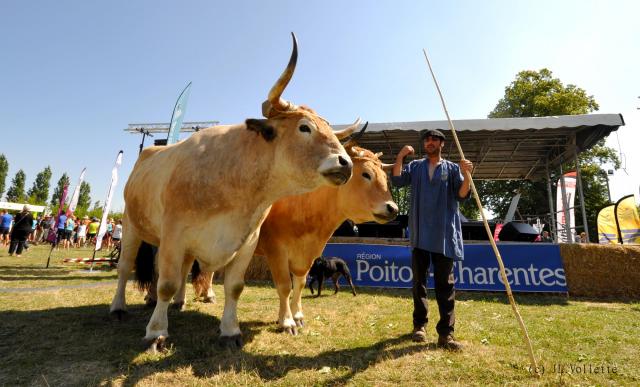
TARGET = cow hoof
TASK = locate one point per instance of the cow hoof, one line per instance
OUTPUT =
(293, 331)
(119, 315)
(300, 323)
(209, 300)
(231, 342)
(179, 306)
(156, 345)
(150, 303)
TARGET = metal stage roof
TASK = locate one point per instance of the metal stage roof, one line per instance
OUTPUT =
(500, 148)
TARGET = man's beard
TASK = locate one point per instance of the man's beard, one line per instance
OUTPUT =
(432, 151)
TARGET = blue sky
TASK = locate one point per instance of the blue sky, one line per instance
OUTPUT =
(74, 74)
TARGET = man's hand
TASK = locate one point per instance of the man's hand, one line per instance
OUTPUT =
(466, 166)
(397, 167)
(405, 151)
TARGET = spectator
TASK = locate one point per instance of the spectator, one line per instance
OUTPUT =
(82, 232)
(68, 232)
(5, 227)
(61, 225)
(117, 232)
(92, 230)
(583, 237)
(20, 231)
(546, 238)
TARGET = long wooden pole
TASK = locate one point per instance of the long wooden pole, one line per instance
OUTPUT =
(534, 366)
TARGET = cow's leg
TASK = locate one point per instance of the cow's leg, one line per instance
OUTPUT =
(179, 298)
(296, 301)
(230, 334)
(170, 258)
(279, 266)
(320, 283)
(130, 244)
(211, 296)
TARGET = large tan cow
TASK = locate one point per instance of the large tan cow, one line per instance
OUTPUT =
(208, 195)
(298, 228)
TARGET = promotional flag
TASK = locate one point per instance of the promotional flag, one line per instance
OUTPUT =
(178, 115)
(607, 227)
(76, 194)
(628, 220)
(107, 203)
(570, 190)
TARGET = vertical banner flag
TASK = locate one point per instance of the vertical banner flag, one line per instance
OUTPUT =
(76, 194)
(63, 198)
(628, 220)
(177, 116)
(107, 203)
(607, 227)
(570, 190)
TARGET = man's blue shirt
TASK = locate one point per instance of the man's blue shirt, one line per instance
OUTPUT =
(434, 217)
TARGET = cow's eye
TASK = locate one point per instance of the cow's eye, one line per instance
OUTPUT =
(366, 176)
(305, 129)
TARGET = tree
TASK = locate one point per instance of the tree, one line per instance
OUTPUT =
(84, 199)
(57, 192)
(15, 193)
(4, 170)
(537, 94)
(39, 193)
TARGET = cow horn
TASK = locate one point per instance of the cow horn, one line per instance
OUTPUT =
(387, 167)
(274, 102)
(344, 133)
(379, 154)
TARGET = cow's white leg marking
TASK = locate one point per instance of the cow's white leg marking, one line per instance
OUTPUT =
(296, 302)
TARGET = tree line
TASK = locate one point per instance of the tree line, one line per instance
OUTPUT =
(38, 194)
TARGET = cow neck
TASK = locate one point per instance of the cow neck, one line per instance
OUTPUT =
(322, 214)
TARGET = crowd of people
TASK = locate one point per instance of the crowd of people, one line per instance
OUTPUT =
(63, 231)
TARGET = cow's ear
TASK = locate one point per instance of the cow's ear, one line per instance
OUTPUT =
(262, 127)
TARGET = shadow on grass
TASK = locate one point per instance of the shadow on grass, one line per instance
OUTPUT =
(48, 344)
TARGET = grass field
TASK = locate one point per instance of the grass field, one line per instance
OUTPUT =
(55, 330)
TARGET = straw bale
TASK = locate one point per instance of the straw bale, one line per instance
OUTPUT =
(594, 270)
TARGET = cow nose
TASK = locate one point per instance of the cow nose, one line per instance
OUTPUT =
(392, 209)
(343, 161)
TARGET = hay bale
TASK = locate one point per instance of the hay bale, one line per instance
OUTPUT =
(594, 270)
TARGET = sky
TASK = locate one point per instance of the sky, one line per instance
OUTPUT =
(74, 74)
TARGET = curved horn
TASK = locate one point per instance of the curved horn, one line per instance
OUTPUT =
(277, 103)
(379, 154)
(387, 167)
(344, 133)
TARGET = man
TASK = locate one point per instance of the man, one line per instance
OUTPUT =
(437, 185)
(5, 226)
(62, 222)
(20, 231)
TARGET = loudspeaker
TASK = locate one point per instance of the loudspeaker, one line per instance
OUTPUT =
(518, 232)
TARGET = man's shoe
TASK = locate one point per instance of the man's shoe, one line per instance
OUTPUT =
(449, 343)
(419, 335)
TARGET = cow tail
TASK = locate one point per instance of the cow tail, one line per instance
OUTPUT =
(198, 279)
(145, 266)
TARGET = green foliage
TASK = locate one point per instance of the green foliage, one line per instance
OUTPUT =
(4, 170)
(537, 94)
(84, 200)
(401, 197)
(15, 193)
(96, 210)
(57, 192)
(39, 193)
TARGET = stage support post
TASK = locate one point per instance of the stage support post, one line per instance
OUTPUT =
(579, 178)
(551, 209)
(565, 206)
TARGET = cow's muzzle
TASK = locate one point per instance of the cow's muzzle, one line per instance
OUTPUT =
(337, 174)
(390, 213)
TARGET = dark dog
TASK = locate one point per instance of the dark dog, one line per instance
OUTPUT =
(323, 268)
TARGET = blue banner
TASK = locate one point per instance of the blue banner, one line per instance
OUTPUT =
(529, 267)
(178, 115)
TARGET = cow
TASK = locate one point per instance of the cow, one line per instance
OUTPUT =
(208, 195)
(298, 228)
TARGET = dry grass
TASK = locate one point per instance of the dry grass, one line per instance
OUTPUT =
(65, 337)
